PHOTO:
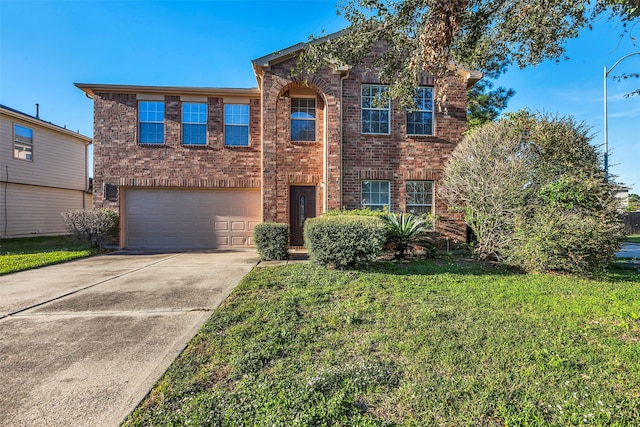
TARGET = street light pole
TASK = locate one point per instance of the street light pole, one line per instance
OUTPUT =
(606, 133)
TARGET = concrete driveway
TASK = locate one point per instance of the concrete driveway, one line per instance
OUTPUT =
(629, 250)
(82, 343)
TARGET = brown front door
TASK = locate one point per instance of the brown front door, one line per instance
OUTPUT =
(302, 205)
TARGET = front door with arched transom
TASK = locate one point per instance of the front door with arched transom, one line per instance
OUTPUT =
(302, 205)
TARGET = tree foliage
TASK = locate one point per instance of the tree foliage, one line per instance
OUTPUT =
(634, 203)
(534, 194)
(434, 36)
(484, 105)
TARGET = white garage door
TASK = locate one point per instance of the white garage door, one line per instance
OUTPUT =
(190, 219)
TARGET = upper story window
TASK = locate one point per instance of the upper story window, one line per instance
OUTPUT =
(376, 107)
(22, 142)
(420, 120)
(194, 123)
(151, 122)
(303, 119)
(420, 197)
(236, 124)
(376, 195)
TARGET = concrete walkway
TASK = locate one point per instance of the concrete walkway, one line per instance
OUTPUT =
(82, 343)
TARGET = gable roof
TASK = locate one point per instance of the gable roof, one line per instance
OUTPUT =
(264, 62)
(286, 53)
(12, 112)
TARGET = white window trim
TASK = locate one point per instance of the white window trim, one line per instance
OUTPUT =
(224, 124)
(362, 109)
(314, 119)
(433, 195)
(382, 205)
(206, 119)
(164, 115)
(433, 116)
(13, 147)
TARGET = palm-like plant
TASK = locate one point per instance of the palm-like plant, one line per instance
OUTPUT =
(406, 231)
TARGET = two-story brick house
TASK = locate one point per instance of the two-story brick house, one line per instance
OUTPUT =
(199, 167)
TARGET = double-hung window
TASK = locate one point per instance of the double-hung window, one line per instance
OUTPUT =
(420, 120)
(151, 121)
(376, 108)
(420, 197)
(22, 142)
(236, 124)
(376, 195)
(194, 123)
(303, 119)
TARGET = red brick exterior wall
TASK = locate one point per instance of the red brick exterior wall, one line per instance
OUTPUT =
(397, 157)
(275, 163)
(394, 157)
(121, 161)
(287, 163)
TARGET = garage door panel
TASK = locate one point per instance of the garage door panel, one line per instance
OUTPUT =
(188, 219)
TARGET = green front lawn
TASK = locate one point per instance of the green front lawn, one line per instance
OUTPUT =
(633, 238)
(415, 344)
(33, 252)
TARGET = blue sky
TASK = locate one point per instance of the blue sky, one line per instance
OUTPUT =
(46, 46)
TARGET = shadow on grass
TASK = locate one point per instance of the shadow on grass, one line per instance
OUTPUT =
(34, 245)
(619, 271)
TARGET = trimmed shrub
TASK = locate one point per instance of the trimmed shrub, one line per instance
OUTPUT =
(344, 240)
(95, 226)
(272, 240)
(358, 212)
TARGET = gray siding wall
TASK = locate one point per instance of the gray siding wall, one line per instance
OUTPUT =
(27, 210)
(58, 160)
(33, 194)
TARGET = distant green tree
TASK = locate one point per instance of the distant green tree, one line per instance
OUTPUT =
(484, 105)
(634, 203)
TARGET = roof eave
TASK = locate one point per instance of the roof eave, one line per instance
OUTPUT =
(92, 88)
(39, 122)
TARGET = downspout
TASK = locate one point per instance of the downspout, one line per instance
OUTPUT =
(86, 175)
(259, 77)
(342, 79)
(325, 184)
(6, 210)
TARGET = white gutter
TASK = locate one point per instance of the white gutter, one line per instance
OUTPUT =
(342, 79)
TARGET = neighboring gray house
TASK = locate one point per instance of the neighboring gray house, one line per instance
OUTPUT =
(43, 172)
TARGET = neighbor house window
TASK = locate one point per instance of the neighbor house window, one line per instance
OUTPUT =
(420, 197)
(22, 142)
(375, 109)
(151, 119)
(420, 120)
(375, 195)
(303, 119)
(194, 123)
(236, 124)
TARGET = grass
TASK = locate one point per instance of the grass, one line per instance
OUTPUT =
(410, 344)
(32, 252)
(633, 238)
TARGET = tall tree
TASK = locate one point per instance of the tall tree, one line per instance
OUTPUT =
(484, 104)
(431, 35)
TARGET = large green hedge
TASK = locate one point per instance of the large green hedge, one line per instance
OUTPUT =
(344, 240)
(272, 240)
